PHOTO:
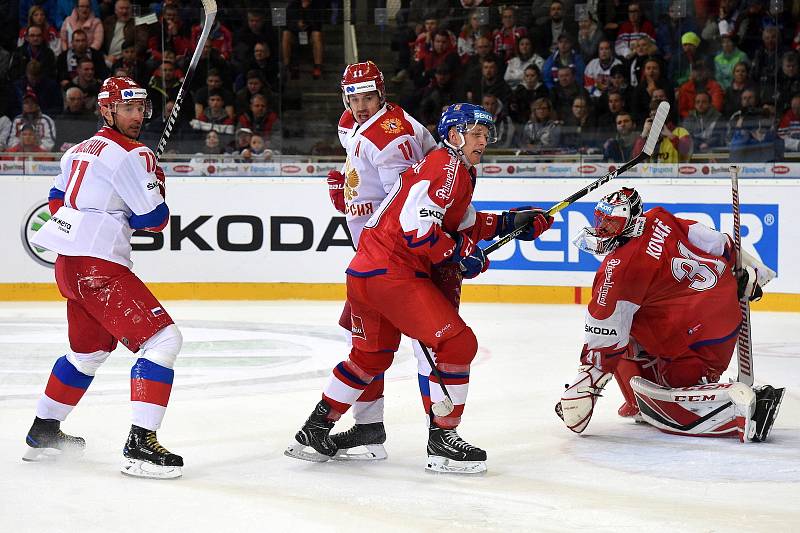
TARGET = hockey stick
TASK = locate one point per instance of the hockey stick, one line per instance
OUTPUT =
(210, 11)
(649, 147)
(744, 345)
(445, 407)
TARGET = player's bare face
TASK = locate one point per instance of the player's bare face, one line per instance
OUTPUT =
(364, 105)
(475, 141)
(128, 118)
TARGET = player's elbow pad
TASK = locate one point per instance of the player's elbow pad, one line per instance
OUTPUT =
(158, 217)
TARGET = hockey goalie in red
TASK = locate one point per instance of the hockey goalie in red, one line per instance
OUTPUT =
(663, 320)
(110, 185)
(426, 220)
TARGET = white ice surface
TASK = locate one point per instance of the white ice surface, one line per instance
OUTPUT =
(250, 373)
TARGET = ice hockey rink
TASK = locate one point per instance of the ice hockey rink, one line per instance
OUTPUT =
(250, 372)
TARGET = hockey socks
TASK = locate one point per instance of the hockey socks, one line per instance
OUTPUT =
(151, 385)
(64, 390)
(456, 379)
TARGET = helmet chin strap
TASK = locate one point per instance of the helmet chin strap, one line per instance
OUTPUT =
(459, 149)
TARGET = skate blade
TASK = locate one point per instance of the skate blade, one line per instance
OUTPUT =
(369, 452)
(305, 453)
(139, 468)
(35, 455)
(443, 465)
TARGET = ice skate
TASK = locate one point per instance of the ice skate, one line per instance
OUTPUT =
(449, 453)
(46, 441)
(144, 456)
(768, 402)
(362, 442)
(314, 434)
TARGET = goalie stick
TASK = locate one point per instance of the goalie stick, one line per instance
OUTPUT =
(744, 345)
(649, 147)
(210, 12)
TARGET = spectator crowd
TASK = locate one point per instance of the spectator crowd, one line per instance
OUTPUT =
(559, 77)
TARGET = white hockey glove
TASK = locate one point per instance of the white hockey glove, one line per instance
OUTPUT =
(752, 277)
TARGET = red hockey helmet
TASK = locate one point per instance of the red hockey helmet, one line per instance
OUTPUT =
(122, 89)
(362, 78)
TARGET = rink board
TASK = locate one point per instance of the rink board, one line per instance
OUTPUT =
(276, 238)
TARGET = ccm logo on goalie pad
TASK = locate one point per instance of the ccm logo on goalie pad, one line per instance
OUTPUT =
(695, 398)
(600, 331)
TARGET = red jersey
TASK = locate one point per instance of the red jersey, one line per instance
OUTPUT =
(412, 228)
(672, 290)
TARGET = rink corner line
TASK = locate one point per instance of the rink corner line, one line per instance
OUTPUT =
(524, 294)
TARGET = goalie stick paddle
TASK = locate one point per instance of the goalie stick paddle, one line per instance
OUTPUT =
(210, 11)
(744, 345)
(445, 407)
(649, 147)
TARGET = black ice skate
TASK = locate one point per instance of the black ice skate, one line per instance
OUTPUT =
(768, 402)
(449, 453)
(144, 456)
(46, 441)
(369, 437)
(315, 433)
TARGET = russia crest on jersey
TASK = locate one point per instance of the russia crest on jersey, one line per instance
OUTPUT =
(392, 125)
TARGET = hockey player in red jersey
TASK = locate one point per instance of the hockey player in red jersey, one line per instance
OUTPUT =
(663, 320)
(381, 141)
(426, 220)
(110, 185)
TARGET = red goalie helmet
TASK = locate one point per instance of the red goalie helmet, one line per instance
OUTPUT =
(362, 78)
(120, 89)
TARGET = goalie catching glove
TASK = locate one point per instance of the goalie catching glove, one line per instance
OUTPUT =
(753, 275)
(535, 220)
(336, 190)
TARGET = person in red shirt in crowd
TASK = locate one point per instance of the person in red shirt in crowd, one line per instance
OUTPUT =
(260, 118)
(37, 17)
(28, 143)
(442, 52)
(700, 80)
(170, 36)
(789, 127)
(506, 38)
(632, 30)
(220, 38)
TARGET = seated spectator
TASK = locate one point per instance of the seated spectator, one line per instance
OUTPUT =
(674, 145)
(87, 82)
(754, 137)
(681, 63)
(255, 31)
(700, 81)
(619, 82)
(255, 85)
(214, 83)
(579, 131)
(632, 30)
(117, 29)
(170, 34)
(705, 124)
(128, 62)
(788, 80)
(38, 17)
(727, 59)
(564, 56)
(163, 86)
(733, 94)
(524, 94)
(181, 140)
(261, 61)
(220, 37)
(788, 128)
(439, 93)
(240, 142)
(470, 33)
(82, 19)
(260, 119)
(608, 108)
(542, 132)
(473, 68)
(76, 122)
(46, 90)
(589, 36)
(597, 75)
(719, 24)
(67, 62)
(646, 50)
(671, 26)
(423, 69)
(27, 142)
(423, 43)
(75, 106)
(214, 117)
(43, 125)
(5, 131)
(547, 32)
(257, 151)
(33, 48)
(515, 68)
(750, 25)
(212, 145)
(490, 83)
(652, 79)
(506, 37)
(303, 25)
(619, 148)
(505, 127)
(565, 92)
(748, 107)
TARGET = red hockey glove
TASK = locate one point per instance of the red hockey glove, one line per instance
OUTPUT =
(336, 190)
(162, 181)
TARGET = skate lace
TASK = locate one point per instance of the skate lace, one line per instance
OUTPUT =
(153, 443)
(454, 439)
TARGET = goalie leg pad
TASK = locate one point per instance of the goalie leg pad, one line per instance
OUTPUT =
(577, 402)
(712, 410)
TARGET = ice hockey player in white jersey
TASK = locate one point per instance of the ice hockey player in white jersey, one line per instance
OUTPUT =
(109, 186)
(381, 141)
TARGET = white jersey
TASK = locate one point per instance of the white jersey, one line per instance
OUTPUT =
(104, 181)
(377, 152)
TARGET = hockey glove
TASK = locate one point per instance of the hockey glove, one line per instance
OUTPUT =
(747, 280)
(162, 181)
(534, 219)
(336, 190)
(469, 256)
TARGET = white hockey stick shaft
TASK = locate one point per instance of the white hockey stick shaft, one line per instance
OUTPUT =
(744, 345)
(210, 12)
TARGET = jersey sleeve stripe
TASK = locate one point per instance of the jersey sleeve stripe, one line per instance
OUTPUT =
(56, 194)
(153, 219)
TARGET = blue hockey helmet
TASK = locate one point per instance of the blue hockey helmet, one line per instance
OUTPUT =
(464, 117)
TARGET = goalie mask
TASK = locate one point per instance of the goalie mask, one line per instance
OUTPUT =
(617, 218)
(362, 78)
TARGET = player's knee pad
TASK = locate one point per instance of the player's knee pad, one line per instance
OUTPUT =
(163, 347)
(459, 349)
(372, 363)
(87, 363)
